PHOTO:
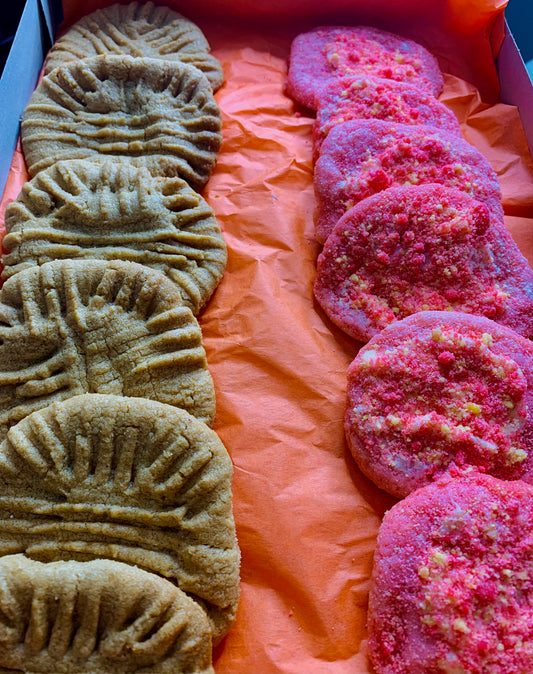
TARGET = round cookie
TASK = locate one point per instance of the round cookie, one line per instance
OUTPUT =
(129, 479)
(329, 52)
(92, 326)
(114, 211)
(419, 248)
(158, 114)
(436, 389)
(136, 29)
(362, 157)
(98, 617)
(366, 97)
(452, 585)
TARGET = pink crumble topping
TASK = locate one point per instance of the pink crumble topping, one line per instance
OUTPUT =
(327, 53)
(367, 97)
(439, 390)
(352, 54)
(362, 157)
(406, 250)
(453, 580)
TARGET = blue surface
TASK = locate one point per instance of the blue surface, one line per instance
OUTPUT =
(19, 79)
(33, 38)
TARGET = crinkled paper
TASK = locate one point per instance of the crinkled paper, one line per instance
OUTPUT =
(307, 519)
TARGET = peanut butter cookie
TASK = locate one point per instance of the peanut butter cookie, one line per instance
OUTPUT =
(115, 211)
(127, 479)
(137, 29)
(148, 112)
(97, 617)
(90, 326)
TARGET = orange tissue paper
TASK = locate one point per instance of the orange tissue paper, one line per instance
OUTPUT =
(306, 517)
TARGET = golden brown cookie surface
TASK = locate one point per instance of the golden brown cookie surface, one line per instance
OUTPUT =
(115, 211)
(148, 112)
(78, 326)
(137, 29)
(127, 479)
(97, 617)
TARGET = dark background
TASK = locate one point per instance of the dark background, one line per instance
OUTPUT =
(10, 13)
(519, 14)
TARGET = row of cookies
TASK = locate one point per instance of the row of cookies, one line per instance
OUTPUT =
(109, 252)
(400, 250)
(411, 220)
(439, 414)
(409, 213)
(117, 146)
(419, 394)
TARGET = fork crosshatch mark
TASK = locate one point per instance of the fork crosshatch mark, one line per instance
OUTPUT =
(98, 616)
(126, 479)
(148, 112)
(115, 211)
(71, 327)
(137, 29)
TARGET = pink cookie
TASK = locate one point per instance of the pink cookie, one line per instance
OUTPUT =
(420, 248)
(331, 52)
(369, 98)
(437, 388)
(362, 157)
(452, 586)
